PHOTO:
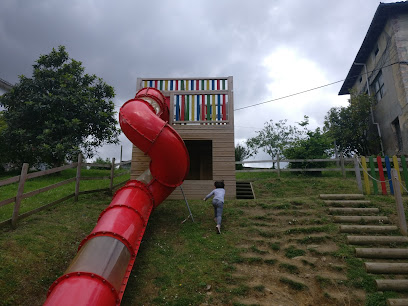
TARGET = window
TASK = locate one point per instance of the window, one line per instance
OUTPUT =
(376, 51)
(200, 152)
(378, 86)
(397, 132)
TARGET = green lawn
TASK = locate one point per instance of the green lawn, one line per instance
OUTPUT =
(188, 263)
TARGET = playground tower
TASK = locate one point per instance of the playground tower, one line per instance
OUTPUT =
(202, 112)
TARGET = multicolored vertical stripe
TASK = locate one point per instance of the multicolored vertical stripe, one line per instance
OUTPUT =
(195, 107)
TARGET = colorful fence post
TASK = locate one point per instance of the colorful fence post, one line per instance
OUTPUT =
(365, 175)
(381, 173)
(396, 167)
(374, 177)
(404, 170)
(388, 166)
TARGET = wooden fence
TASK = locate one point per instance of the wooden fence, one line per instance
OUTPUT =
(369, 171)
(24, 176)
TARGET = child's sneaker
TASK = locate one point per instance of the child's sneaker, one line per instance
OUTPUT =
(218, 229)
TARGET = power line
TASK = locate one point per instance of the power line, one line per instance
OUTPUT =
(284, 97)
(311, 89)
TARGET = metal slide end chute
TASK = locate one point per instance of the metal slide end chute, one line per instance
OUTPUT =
(99, 272)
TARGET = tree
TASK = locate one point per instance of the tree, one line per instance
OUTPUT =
(315, 146)
(57, 113)
(351, 126)
(241, 153)
(273, 138)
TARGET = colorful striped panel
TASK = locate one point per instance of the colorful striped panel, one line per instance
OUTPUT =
(182, 107)
(214, 111)
(198, 107)
(203, 107)
(224, 108)
(177, 108)
(208, 108)
(192, 108)
(187, 115)
(219, 106)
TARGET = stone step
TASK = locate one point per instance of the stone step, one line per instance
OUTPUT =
(347, 210)
(386, 267)
(244, 190)
(361, 240)
(342, 196)
(367, 228)
(397, 302)
(347, 203)
(381, 253)
(392, 284)
(358, 219)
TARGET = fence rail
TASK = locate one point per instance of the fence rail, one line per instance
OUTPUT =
(377, 171)
(24, 176)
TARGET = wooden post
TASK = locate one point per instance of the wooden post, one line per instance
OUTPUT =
(402, 223)
(396, 167)
(20, 191)
(121, 152)
(365, 175)
(358, 174)
(343, 169)
(78, 176)
(374, 177)
(404, 170)
(381, 173)
(336, 154)
(112, 174)
(388, 167)
(277, 164)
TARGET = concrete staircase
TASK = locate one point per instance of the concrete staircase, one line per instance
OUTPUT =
(244, 190)
(383, 249)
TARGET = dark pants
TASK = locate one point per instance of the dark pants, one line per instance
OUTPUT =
(218, 206)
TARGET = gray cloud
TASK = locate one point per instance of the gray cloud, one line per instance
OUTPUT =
(122, 40)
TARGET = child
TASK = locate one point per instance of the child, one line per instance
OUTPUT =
(217, 202)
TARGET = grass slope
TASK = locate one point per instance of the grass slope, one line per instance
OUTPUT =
(281, 248)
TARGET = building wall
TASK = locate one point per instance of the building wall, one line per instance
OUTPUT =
(392, 47)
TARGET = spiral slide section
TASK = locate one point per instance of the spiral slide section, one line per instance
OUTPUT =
(99, 272)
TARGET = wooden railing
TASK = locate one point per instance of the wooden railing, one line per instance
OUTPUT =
(369, 171)
(195, 101)
(24, 176)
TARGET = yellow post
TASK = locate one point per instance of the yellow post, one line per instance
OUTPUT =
(366, 181)
(166, 85)
(396, 167)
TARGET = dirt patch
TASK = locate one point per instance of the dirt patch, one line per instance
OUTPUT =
(289, 258)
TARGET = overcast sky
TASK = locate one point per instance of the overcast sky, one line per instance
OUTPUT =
(272, 48)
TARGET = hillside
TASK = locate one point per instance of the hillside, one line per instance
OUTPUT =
(280, 249)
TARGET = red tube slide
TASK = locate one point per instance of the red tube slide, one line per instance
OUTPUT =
(99, 272)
